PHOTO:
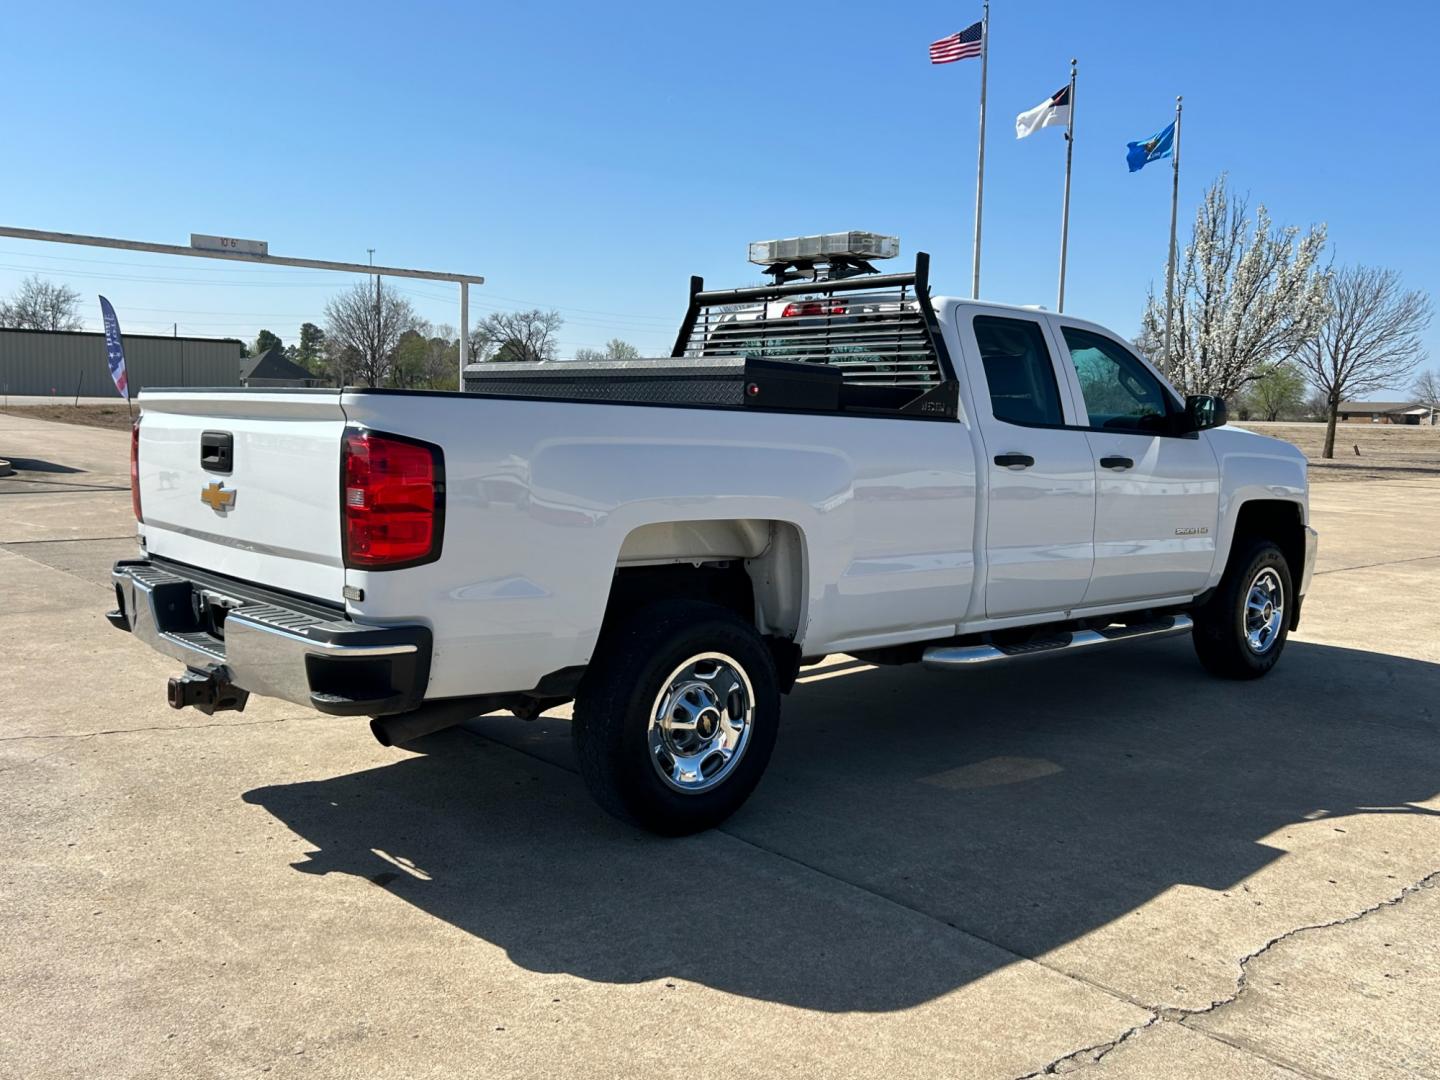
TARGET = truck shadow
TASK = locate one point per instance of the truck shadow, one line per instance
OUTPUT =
(1027, 807)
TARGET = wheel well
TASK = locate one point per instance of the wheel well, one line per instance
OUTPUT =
(753, 567)
(1277, 520)
(724, 583)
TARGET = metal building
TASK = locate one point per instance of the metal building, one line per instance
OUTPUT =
(57, 361)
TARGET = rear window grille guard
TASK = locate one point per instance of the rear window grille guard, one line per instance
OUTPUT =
(879, 330)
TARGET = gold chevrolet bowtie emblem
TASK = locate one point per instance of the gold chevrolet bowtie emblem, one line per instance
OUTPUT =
(217, 498)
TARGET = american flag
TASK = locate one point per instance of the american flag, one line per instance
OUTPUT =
(959, 46)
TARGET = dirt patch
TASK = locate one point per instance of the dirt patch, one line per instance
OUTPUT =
(104, 416)
(1363, 451)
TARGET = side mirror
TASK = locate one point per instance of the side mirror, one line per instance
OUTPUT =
(1203, 411)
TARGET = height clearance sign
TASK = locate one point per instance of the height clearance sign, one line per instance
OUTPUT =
(205, 242)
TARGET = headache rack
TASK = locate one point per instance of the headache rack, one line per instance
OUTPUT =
(866, 343)
(878, 330)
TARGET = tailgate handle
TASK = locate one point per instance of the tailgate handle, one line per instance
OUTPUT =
(217, 451)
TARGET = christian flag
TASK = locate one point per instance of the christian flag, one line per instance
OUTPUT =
(114, 349)
(1053, 111)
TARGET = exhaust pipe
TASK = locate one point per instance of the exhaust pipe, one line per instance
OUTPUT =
(209, 691)
(406, 727)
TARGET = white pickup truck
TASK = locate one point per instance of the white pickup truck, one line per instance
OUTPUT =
(839, 465)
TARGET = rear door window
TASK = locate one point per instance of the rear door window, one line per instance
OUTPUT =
(1019, 371)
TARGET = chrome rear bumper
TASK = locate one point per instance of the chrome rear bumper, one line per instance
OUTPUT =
(270, 644)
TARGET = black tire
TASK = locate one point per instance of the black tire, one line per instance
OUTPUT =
(1220, 635)
(612, 718)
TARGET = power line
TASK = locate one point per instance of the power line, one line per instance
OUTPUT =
(621, 322)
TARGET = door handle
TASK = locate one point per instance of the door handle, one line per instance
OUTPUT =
(1023, 461)
(1116, 462)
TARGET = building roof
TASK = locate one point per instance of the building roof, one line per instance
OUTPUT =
(126, 334)
(1380, 406)
(271, 364)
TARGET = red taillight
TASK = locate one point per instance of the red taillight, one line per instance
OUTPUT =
(812, 307)
(393, 497)
(135, 469)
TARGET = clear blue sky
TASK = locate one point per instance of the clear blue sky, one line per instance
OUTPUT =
(591, 157)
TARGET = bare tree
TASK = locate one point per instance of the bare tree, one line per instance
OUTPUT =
(363, 326)
(42, 305)
(615, 349)
(1369, 341)
(1246, 294)
(1315, 407)
(521, 336)
(618, 349)
(1426, 390)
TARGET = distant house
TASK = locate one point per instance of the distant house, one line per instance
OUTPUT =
(1386, 412)
(271, 368)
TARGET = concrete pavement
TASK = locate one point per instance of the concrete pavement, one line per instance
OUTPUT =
(1113, 864)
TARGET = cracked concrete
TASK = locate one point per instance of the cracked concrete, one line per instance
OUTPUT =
(1124, 869)
(1209, 1023)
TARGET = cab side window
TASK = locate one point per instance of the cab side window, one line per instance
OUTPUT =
(1120, 393)
(1019, 371)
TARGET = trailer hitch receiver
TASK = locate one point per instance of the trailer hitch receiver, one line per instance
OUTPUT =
(210, 691)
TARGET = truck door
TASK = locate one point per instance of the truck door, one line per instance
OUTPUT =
(1158, 491)
(1039, 540)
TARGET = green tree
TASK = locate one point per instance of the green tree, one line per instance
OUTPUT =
(427, 358)
(1278, 390)
(265, 340)
(408, 370)
(312, 345)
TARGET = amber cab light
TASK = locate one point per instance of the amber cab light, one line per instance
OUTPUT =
(135, 469)
(392, 500)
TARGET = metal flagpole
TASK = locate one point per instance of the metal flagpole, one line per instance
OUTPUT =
(1174, 207)
(980, 168)
(464, 332)
(1065, 211)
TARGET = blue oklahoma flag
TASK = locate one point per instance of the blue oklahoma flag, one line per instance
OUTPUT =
(1159, 145)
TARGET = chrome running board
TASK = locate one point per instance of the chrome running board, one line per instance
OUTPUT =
(946, 657)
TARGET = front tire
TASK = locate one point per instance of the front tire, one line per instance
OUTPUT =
(677, 716)
(1241, 630)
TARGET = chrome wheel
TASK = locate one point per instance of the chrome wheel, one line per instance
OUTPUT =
(1264, 611)
(700, 723)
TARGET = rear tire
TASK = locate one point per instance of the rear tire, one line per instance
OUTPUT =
(1241, 630)
(677, 716)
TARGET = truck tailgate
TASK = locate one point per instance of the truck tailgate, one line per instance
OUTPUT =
(269, 514)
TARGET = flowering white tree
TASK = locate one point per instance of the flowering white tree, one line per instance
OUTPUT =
(1247, 294)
